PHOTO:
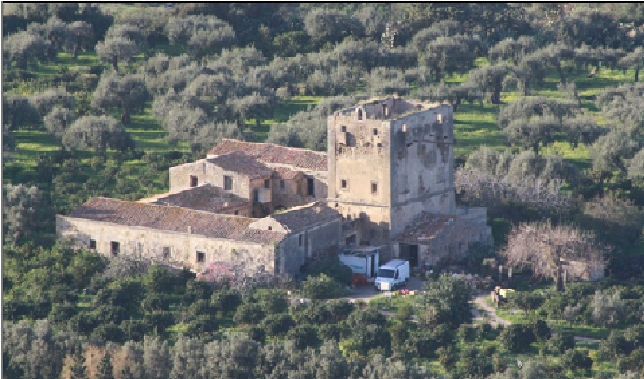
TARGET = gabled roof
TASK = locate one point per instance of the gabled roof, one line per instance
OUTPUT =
(425, 227)
(241, 163)
(205, 198)
(129, 213)
(299, 218)
(274, 154)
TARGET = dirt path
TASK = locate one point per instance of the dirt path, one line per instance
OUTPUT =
(481, 310)
(488, 312)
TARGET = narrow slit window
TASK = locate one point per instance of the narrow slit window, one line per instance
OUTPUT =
(267, 183)
(374, 188)
(282, 184)
(375, 131)
(194, 181)
(343, 184)
(228, 183)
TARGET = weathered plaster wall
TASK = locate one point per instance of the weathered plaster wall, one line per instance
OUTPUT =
(311, 244)
(422, 176)
(207, 172)
(391, 154)
(451, 244)
(140, 242)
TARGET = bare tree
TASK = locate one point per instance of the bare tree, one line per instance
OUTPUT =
(546, 249)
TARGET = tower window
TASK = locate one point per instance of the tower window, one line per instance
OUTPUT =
(267, 183)
(92, 244)
(201, 256)
(194, 181)
(360, 114)
(282, 183)
(301, 239)
(344, 128)
(439, 118)
(344, 184)
(374, 188)
(375, 131)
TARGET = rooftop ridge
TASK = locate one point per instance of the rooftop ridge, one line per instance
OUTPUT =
(273, 154)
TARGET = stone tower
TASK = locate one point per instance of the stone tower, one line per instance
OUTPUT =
(389, 160)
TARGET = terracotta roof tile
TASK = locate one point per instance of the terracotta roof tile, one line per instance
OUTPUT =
(159, 217)
(205, 198)
(425, 227)
(297, 219)
(238, 161)
(263, 236)
(274, 154)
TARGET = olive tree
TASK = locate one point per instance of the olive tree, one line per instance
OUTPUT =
(331, 25)
(490, 79)
(635, 60)
(23, 48)
(97, 133)
(121, 43)
(57, 121)
(45, 101)
(612, 151)
(127, 93)
(25, 212)
(17, 111)
(202, 35)
(454, 94)
(513, 49)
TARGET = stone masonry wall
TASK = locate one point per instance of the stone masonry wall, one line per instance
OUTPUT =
(422, 165)
(139, 242)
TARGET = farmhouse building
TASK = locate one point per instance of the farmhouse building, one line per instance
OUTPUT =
(387, 179)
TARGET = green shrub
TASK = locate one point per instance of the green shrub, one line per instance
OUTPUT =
(332, 268)
(323, 287)
(303, 336)
(249, 313)
(517, 338)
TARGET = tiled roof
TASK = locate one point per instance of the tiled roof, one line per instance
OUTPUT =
(239, 162)
(159, 217)
(263, 236)
(205, 198)
(274, 154)
(425, 227)
(297, 219)
(285, 173)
